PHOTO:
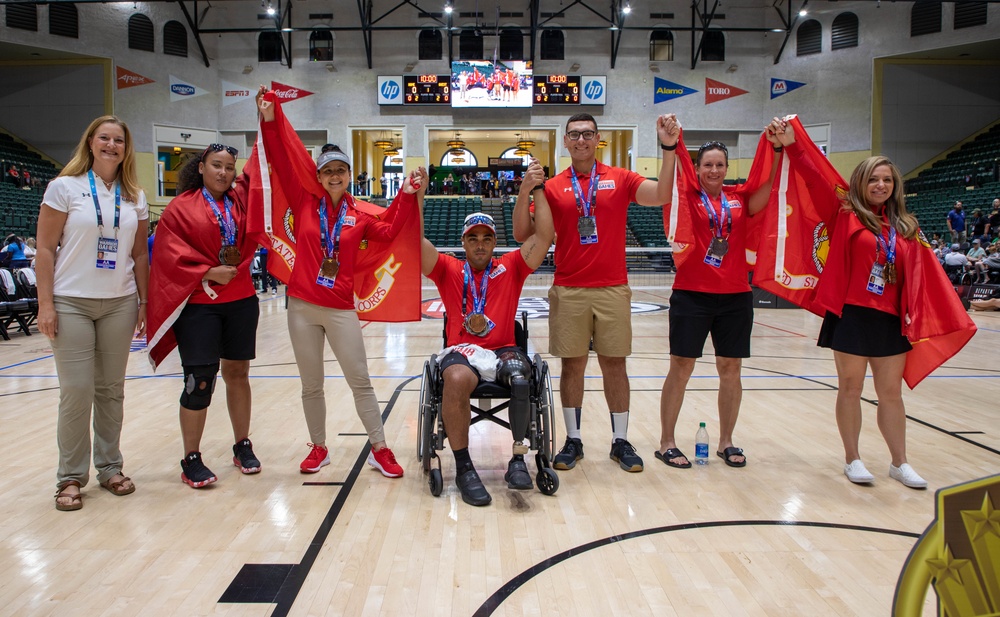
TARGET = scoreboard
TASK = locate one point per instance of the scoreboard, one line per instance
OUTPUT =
(427, 90)
(556, 90)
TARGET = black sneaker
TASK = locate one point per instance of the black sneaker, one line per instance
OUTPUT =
(473, 491)
(624, 453)
(244, 458)
(569, 455)
(194, 473)
(517, 476)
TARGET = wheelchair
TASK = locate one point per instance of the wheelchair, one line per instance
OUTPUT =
(541, 436)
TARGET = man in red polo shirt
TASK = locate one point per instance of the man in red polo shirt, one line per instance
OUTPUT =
(590, 298)
(480, 297)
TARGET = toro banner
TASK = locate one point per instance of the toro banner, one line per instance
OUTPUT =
(717, 91)
(288, 93)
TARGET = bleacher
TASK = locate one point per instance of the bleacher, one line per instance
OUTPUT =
(19, 207)
(444, 216)
(967, 175)
(646, 225)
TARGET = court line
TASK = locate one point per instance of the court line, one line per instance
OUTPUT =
(499, 596)
(4, 368)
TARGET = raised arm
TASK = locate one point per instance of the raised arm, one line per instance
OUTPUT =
(537, 245)
(656, 193)
(428, 253)
(521, 217)
(758, 200)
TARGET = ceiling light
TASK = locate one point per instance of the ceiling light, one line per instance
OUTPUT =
(385, 144)
(391, 151)
(803, 13)
(627, 9)
(447, 9)
(602, 144)
(521, 152)
(271, 10)
(456, 144)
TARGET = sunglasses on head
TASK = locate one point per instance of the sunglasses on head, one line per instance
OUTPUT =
(711, 145)
(220, 148)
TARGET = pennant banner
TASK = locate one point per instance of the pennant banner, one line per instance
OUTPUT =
(181, 90)
(234, 93)
(783, 86)
(718, 91)
(288, 93)
(128, 79)
(667, 90)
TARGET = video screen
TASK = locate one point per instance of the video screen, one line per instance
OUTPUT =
(482, 83)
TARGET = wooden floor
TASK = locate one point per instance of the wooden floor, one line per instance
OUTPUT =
(787, 535)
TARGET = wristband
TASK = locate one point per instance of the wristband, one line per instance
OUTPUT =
(141, 302)
(539, 187)
(668, 148)
(777, 148)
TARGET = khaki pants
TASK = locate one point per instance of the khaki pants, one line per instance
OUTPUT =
(308, 326)
(91, 351)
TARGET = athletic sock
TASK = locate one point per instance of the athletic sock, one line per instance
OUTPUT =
(463, 462)
(619, 425)
(572, 417)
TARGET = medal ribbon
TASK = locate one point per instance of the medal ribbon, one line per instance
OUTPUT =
(587, 207)
(889, 247)
(713, 219)
(331, 248)
(97, 203)
(478, 299)
(227, 224)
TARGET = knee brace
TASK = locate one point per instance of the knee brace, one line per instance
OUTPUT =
(199, 385)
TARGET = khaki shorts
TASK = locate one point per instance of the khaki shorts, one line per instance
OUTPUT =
(579, 314)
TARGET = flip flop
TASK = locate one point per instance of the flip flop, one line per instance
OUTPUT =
(671, 454)
(115, 488)
(76, 500)
(733, 451)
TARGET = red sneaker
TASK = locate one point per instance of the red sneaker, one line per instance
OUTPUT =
(385, 461)
(318, 457)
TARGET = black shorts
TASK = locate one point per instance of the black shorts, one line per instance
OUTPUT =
(457, 358)
(207, 332)
(695, 314)
(863, 331)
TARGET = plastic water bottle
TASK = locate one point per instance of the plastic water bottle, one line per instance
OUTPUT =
(701, 445)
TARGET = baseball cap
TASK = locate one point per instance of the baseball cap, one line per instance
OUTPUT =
(330, 156)
(934, 242)
(976, 241)
(477, 219)
(955, 247)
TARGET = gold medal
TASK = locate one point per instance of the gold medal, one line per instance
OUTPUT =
(229, 255)
(329, 267)
(476, 324)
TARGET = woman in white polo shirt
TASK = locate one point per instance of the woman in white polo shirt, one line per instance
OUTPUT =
(92, 269)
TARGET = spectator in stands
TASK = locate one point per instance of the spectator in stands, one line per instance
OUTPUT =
(14, 176)
(25, 179)
(956, 258)
(989, 263)
(976, 253)
(936, 247)
(15, 246)
(993, 227)
(979, 224)
(956, 223)
(90, 306)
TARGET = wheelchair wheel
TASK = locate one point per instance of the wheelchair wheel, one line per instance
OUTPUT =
(547, 481)
(546, 411)
(425, 422)
(435, 482)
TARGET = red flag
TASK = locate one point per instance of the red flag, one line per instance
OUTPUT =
(794, 252)
(386, 275)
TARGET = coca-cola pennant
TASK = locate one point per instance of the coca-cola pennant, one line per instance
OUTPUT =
(288, 93)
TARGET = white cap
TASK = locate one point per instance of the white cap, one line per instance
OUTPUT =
(330, 156)
(477, 219)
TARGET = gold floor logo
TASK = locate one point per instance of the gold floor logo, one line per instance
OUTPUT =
(959, 555)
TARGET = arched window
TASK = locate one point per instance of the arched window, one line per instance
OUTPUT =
(713, 46)
(809, 38)
(140, 32)
(553, 45)
(431, 46)
(22, 16)
(845, 31)
(459, 158)
(63, 19)
(470, 45)
(175, 39)
(321, 46)
(925, 17)
(509, 154)
(511, 44)
(269, 47)
(661, 45)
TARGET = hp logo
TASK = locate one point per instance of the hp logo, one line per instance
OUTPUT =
(593, 89)
(390, 90)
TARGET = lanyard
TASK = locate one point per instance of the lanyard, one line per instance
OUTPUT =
(889, 247)
(97, 203)
(713, 222)
(227, 224)
(331, 248)
(589, 207)
(478, 299)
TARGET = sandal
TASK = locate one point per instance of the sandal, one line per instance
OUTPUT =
(733, 451)
(115, 488)
(670, 455)
(76, 500)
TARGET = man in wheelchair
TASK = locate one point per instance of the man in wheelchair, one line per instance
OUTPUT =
(480, 296)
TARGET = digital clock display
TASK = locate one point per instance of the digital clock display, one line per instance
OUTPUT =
(556, 90)
(427, 90)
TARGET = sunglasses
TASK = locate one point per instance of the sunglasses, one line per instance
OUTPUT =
(575, 135)
(220, 148)
(329, 148)
(713, 145)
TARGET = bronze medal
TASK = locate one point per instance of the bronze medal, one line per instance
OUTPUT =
(329, 268)
(476, 324)
(229, 255)
(586, 225)
(720, 246)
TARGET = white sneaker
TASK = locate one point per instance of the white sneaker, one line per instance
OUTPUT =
(905, 474)
(857, 473)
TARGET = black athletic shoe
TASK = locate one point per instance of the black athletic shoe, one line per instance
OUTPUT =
(517, 475)
(244, 458)
(624, 453)
(473, 491)
(571, 452)
(194, 473)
